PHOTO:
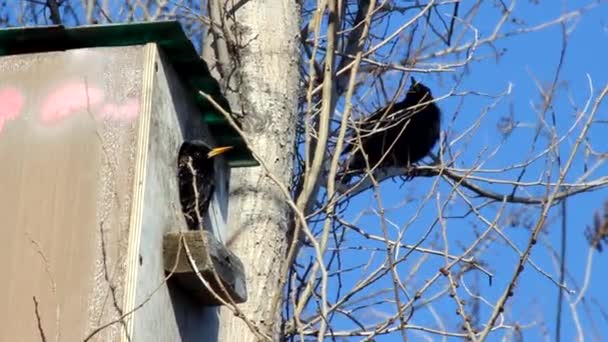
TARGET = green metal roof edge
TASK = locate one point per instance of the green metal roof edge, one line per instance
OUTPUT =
(169, 36)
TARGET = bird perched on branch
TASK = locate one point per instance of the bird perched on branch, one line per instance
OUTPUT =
(196, 177)
(397, 135)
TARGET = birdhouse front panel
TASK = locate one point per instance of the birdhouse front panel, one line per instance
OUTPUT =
(68, 135)
(89, 141)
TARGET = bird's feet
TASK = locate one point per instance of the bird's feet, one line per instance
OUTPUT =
(346, 176)
(411, 171)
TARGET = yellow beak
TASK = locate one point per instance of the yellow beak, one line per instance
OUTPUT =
(218, 150)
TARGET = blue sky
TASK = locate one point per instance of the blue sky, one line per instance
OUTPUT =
(525, 60)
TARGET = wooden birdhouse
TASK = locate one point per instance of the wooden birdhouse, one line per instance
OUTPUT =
(91, 122)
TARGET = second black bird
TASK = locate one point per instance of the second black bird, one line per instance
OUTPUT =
(398, 135)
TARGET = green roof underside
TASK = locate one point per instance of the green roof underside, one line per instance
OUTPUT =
(170, 38)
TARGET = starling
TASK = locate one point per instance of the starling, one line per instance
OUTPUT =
(398, 135)
(196, 177)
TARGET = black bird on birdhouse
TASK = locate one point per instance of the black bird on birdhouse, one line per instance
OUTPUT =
(196, 177)
(397, 135)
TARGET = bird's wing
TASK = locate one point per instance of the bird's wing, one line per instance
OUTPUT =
(378, 121)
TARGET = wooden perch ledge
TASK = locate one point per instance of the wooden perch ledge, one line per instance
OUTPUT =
(214, 263)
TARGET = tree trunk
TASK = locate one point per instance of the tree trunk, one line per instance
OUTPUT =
(261, 41)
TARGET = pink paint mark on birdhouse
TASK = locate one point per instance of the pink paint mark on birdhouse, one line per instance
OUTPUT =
(11, 104)
(73, 97)
(125, 112)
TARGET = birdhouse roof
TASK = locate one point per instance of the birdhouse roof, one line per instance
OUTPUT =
(168, 35)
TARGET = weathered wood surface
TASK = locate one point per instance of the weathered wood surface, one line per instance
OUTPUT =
(88, 189)
(66, 143)
(170, 314)
(214, 263)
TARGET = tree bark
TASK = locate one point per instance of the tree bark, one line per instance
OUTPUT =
(261, 78)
